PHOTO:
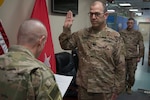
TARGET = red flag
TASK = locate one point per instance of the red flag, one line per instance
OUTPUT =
(4, 42)
(40, 12)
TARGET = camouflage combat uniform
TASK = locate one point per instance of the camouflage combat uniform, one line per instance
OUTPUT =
(23, 77)
(101, 60)
(134, 49)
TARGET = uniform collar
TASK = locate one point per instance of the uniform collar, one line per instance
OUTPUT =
(18, 48)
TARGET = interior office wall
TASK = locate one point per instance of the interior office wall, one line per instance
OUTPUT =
(14, 12)
(80, 21)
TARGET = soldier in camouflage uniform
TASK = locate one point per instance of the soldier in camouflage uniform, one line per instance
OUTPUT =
(22, 76)
(101, 70)
(134, 51)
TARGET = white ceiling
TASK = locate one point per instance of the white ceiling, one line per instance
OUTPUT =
(134, 4)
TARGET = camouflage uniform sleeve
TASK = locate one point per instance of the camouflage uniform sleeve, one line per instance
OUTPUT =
(44, 86)
(120, 70)
(123, 44)
(67, 40)
(123, 48)
(141, 45)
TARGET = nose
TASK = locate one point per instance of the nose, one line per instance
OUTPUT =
(93, 16)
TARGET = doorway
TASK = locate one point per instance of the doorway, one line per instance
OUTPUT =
(144, 28)
(142, 74)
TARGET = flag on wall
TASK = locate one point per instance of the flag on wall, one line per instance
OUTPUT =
(40, 12)
(4, 42)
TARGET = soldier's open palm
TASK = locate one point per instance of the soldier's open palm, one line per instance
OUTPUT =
(68, 20)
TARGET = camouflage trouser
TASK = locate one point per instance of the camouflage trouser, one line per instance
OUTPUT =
(131, 66)
(84, 95)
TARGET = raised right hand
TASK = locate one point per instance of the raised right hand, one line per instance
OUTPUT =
(68, 20)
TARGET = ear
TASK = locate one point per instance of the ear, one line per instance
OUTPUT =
(106, 15)
(42, 40)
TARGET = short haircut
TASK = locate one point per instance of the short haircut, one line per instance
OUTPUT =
(103, 4)
(131, 19)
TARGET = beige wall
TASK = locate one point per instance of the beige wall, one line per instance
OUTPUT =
(14, 12)
(80, 21)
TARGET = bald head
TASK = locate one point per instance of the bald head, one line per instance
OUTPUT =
(30, 31)
(32, 35)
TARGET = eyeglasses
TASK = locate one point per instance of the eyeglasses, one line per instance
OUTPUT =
(97, 14)
(130, 22)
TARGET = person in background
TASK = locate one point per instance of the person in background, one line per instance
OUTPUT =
(101, 69)
(134, 46)
(22, 76)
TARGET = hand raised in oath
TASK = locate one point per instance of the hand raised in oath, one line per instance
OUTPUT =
(68, 20)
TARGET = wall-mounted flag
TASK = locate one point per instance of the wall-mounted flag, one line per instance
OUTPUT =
(4, 42)
(40, 12)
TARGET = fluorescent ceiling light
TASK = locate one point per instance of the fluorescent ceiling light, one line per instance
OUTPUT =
(138, 14)
(133, 9)
(111, 11)
(125, 4)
